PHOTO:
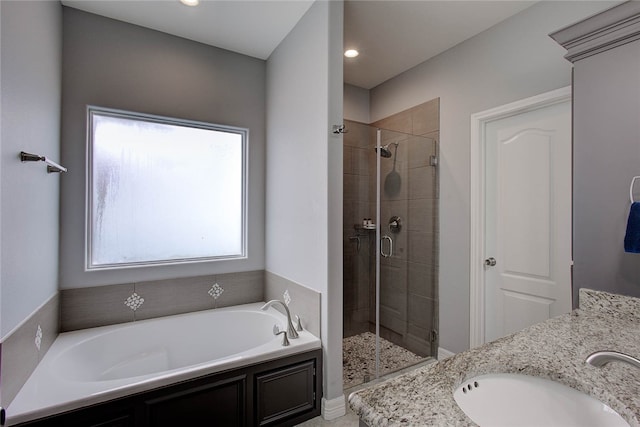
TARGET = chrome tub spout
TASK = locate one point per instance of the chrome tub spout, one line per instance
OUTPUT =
(291, 331)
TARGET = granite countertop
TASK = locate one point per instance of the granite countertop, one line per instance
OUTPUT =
(555, 349)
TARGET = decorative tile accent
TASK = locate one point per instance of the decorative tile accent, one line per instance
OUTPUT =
(287, 297)
(215, 291)
(89, 307)
(134, 301)
(38, 339)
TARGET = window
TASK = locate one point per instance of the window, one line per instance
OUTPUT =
(163, 190)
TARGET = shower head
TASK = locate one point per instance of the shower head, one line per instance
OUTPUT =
(384, 150)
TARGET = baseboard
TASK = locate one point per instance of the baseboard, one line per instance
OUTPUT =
(334, 408)
(444, 353)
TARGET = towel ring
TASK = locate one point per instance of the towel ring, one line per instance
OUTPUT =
(633, 181)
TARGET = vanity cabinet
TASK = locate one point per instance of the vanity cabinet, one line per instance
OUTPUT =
(282, 392)
(605, 52)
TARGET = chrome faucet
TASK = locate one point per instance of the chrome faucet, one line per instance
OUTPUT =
(291, 331)
(601, 358)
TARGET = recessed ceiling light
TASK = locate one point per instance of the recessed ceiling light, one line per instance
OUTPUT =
(190, 2)
(351, 53)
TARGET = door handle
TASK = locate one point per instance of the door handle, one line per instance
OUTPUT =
(490, 262)
(382, 252)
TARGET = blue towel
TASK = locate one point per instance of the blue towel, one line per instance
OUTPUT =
(632, 238)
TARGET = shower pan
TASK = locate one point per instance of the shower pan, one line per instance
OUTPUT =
(390, 240)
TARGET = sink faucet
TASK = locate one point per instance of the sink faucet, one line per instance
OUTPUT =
(291, 331)
(601, 358)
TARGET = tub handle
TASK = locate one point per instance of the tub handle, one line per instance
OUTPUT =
(298, 324)
(285, 340)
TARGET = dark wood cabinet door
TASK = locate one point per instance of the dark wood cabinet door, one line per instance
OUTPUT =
(284, 393)
(108, 415)
(221, 403)
(125, 420)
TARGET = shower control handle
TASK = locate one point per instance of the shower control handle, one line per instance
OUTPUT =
(395, 224)
(382, 252)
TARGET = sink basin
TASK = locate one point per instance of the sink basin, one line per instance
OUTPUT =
(522, 400)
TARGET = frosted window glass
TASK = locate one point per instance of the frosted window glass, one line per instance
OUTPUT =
(163, 190)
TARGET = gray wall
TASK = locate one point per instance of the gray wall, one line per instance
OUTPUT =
(304, 170)
(512, 60)
(30, 91)
(606, 156)
(356, 104)
(119, 65)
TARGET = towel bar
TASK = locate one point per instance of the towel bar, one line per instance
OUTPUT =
(51, 165)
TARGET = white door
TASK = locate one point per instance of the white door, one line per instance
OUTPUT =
(527, 219)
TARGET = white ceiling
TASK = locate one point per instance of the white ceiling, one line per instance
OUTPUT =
(251, 27)
(391, 35)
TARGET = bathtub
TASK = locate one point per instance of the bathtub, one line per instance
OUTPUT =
(95, 365)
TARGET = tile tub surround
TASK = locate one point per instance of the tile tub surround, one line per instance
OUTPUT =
(555, 349)
(90, 307)
(24, 348)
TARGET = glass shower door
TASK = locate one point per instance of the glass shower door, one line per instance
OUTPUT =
(406, 197)
(390, 251)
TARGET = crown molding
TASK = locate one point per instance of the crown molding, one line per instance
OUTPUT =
(603, 31)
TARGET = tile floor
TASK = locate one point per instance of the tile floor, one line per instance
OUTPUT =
(356, 347)
(359, 363)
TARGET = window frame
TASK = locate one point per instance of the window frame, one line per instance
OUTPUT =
(145, 117)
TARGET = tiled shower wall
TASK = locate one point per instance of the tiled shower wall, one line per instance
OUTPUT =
(357, 241)
(409, 189)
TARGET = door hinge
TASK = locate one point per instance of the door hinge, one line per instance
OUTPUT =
(314, 372)
(314, 395)
(434, 336)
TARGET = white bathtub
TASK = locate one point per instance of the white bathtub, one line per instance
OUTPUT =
(95, 365)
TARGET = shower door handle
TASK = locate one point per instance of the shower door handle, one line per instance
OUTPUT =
(382, 252)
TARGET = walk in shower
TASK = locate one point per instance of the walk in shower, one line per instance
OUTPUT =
(390, 240)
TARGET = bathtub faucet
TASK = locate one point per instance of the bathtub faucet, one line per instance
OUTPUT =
(291, 331)
(601, 358)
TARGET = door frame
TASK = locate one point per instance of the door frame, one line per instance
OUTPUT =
(479, 122)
